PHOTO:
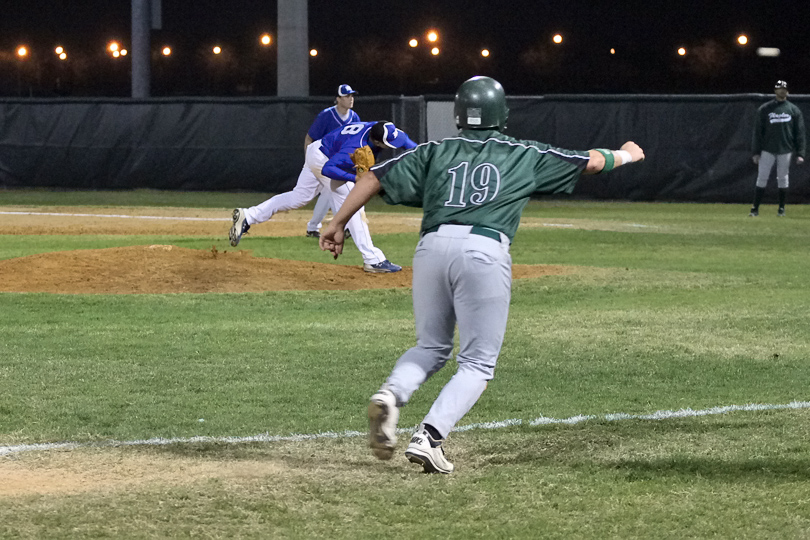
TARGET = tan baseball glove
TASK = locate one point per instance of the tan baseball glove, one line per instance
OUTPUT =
(363, 159)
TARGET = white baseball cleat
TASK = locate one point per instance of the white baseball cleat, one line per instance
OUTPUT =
(240, 226)
(428, 452)
(383, 415)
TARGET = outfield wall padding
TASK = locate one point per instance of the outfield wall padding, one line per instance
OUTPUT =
(698, 147)
(170, 144)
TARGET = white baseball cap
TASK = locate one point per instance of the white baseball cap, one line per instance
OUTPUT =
(345, 90)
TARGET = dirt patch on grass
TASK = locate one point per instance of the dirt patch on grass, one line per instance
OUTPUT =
(81, 472)
(159, 269)
(171, 269)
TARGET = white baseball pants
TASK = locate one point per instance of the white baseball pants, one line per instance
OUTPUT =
(306, 188)
(318, 213)
(311, 181)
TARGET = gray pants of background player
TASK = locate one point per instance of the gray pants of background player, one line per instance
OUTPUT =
(766, 161)
(461, 278)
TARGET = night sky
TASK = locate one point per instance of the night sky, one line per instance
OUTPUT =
(365, 43)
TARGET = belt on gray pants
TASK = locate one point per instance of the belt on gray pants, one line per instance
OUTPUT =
(480, 231)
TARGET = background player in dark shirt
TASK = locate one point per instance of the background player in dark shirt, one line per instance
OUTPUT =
(778, 135)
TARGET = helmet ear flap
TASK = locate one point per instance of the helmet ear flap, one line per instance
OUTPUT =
(481, 104)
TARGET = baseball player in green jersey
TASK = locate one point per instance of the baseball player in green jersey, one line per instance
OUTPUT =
(778, 135)
(472, 189)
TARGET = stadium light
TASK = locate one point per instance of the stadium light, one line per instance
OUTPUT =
(682, 51)
(123, 52)
(413, 42)
(485, 53)
(167, 51)
(113, 46)
(22, 51)
(59, 50)
(557, 39)
(313, 52)
(742, 39)
(612, 51)
(435, 51)
(433, 36)
(266, 40)
(63, 56)
(768, 51)
(217, 49)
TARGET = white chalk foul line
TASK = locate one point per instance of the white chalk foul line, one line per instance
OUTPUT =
(124, 216)
(542, 420)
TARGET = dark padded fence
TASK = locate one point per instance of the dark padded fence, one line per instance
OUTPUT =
(188, 144)
(698, 147)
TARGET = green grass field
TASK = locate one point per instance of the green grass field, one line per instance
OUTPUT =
(671, 307)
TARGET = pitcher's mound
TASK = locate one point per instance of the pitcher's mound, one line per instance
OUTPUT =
(170, 269)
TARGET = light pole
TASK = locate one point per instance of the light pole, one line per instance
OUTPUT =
(293, 48)
(146, 16)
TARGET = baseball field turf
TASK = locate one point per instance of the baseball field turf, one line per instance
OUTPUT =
(156, 382)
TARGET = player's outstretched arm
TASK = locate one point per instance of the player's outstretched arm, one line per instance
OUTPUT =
(365, 188)
(607, 160)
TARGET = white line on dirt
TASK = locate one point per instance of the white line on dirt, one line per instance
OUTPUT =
(542, 420)
(124, 216)
(174, 218)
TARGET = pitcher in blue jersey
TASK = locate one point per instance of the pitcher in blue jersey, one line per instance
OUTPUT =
(331, 156)
(329, 161)
(338, 146)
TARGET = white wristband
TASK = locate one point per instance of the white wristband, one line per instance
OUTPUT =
(625, 155)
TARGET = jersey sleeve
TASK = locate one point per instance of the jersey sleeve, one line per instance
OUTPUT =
(402, 178)
(801, 134)
(558, 169)
(340, 167)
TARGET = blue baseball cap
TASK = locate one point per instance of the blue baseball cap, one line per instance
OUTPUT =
(345, 90)
(392, 137)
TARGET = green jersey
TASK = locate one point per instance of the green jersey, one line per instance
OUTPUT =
(481, 178)
(779, 129)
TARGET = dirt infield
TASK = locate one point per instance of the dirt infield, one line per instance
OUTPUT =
(171, 269)
(110, 470)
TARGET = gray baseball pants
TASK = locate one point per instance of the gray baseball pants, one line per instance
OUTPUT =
(766, 161)
(458, 278)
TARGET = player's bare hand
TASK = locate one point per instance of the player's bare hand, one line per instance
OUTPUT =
(755, 159)
(635, 151)
(332, 240)
(799, 160)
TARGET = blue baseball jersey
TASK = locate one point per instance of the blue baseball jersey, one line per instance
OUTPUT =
(329, 120)
(339, 144)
